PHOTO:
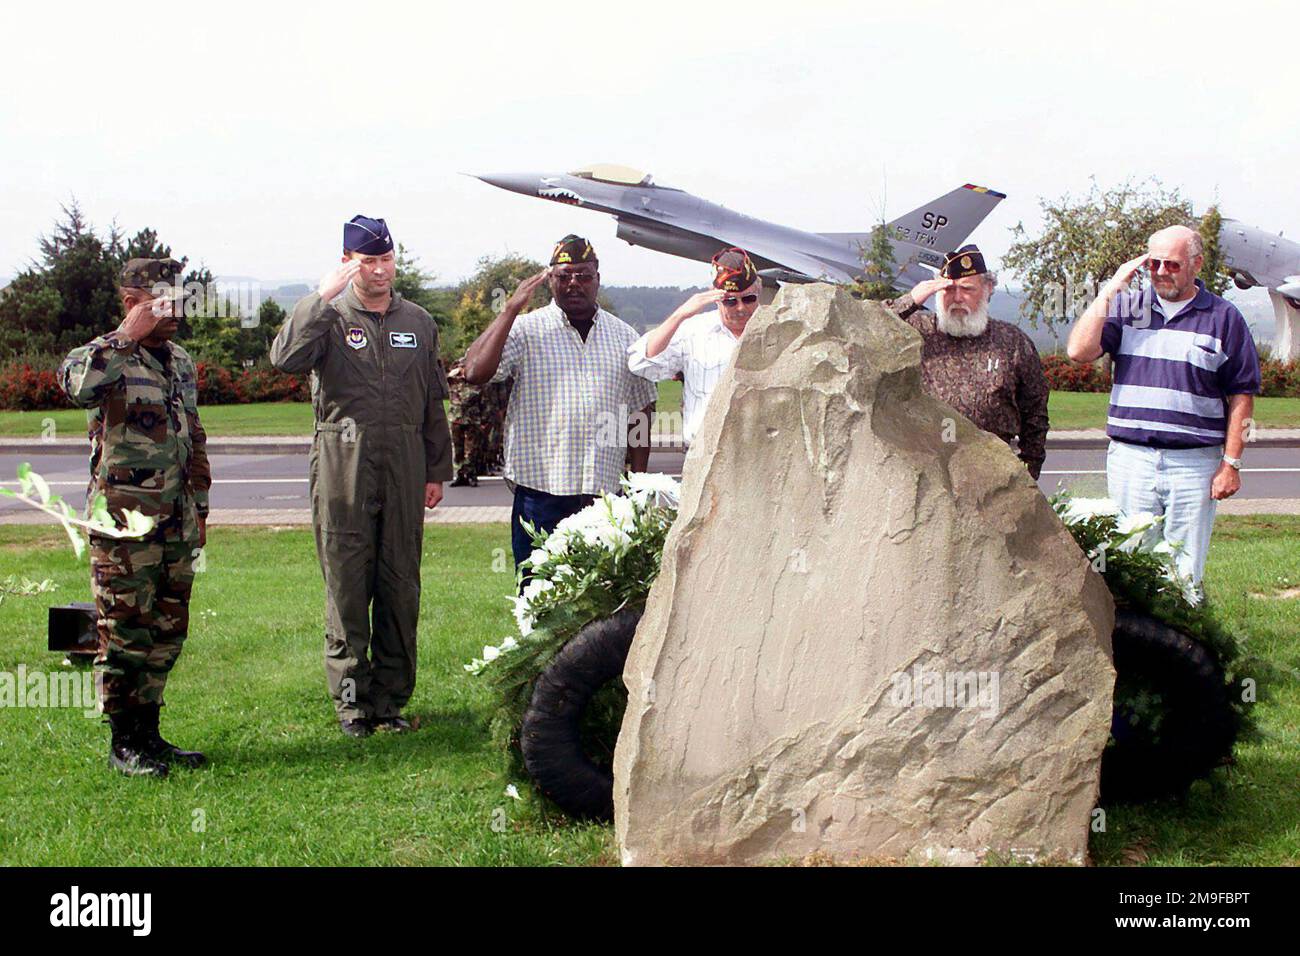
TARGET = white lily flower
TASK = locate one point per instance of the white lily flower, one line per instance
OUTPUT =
(1133, 529)
(1081, 509)
(534, 587)
(645, 487)
(523, 619)
(513, 792)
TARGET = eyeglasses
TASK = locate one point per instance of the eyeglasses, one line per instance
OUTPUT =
(732, 301)
(582, 278)
(1172, 266)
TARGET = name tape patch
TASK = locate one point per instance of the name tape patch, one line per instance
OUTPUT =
(401, 340)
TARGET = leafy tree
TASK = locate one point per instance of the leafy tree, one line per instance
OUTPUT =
(1084, 242)
(416, 285)
(69, 295)
(878, 266)
(224, 338)
(1214, 273)
(481, 297)
(145, 245)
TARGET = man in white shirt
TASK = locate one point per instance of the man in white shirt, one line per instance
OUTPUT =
(575, 408)
(699, 346)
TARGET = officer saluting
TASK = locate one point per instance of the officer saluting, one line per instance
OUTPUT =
(380, 454)
(148, 453)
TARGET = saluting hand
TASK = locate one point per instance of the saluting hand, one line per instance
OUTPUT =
(524, 291)
(923, 290)
(144, 317)
(1124, 275)
(699, 302)
(335, 282)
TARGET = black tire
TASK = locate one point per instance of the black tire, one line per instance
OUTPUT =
(550, 737)
(1198, 727)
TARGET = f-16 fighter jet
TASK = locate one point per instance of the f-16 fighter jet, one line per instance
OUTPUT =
(673, 221)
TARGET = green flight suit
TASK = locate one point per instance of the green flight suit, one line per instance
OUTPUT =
(381, 434)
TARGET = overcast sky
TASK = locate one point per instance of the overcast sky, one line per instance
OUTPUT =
(247, 133)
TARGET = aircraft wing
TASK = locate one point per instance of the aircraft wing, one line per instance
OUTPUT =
(814, 268)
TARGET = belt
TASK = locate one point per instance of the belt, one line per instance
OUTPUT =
(339, 427)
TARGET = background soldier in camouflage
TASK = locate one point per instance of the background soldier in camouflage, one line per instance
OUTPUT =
(471, 422)
(148, 454)
(497, 395)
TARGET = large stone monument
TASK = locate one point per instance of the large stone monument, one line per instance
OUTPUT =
(871, 637)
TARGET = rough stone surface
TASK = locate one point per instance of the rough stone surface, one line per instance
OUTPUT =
(838, 527)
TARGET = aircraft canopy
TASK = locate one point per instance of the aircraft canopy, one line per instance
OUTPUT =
(610, 173)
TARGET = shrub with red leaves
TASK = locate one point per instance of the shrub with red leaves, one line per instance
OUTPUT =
(1063, 375)
(25, 388)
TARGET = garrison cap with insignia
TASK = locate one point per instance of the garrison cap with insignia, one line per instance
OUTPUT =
(572, 249)
(966, 261)
(370, 237)
(733, 270)
(149, 273)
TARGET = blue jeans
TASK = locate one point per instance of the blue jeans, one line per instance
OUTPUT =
(543, 511)
(1174, 482)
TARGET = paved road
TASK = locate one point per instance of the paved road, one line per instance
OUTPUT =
(279, 482)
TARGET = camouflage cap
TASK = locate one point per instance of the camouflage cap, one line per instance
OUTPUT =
(148, 273)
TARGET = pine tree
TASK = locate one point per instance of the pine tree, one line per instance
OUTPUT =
(878, 265)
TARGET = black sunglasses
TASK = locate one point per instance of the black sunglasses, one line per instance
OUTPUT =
(732, 300)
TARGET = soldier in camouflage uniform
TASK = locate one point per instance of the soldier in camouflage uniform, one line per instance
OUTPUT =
(471, 417)
(148, 454)
(497, 396)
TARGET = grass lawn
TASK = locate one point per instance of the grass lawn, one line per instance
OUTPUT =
(1073, 410)
(1067, 410)
(222, 421)
(285, 787)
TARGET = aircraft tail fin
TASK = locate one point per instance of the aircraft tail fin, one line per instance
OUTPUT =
(939, 226)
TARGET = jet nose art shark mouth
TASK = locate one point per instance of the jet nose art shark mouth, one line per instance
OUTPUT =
(560, 194)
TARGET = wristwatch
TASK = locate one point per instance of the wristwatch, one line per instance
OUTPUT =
(1234, 462)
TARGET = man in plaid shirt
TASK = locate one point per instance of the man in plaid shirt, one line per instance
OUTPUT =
(576, 409)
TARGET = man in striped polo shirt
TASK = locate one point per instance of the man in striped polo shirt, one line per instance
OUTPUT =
(1185, 378)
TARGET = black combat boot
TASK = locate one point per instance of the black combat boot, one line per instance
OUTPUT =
(395, 725)
(356, 726)
(160, 749)
(128, 753)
